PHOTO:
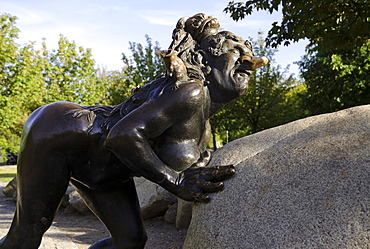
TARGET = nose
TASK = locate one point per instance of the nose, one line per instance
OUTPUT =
(254, 61)
(245, 58)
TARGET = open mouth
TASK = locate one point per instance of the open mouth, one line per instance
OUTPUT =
(241, 77)
(243, 71)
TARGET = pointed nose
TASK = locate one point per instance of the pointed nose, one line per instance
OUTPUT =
(254, 61)
(257, 62)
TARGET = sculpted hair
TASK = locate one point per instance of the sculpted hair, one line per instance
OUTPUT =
(213, 44)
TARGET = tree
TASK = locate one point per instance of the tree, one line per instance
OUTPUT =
(140, 68)
(21, 83)
(70, 74)
(330, 24)
(118, 88)
(30, 78)
(335, 68)
(336, 81)
(144, 65)
(271, 100)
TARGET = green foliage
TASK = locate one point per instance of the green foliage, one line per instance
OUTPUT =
(70, 74)
(30, 78)
(20, 78)
(331, 24)
(140, 68)
(144, 65)
(118, 88)
(9, 142)
(336, 81)
(336, 66)
(272, 99)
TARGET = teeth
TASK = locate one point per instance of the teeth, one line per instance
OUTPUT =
(240, 76)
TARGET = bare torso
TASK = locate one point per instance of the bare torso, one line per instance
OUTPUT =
(178, 142)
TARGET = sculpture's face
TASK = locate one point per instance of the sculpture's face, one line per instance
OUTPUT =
(230, 69)
(232, 62)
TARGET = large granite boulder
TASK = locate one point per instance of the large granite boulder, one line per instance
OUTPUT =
(301, 185)
(154, 200)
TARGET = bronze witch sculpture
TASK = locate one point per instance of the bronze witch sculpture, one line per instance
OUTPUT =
(160, 132)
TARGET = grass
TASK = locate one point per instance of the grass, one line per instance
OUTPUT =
(6, 175)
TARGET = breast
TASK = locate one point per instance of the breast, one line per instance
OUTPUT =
(180, 155)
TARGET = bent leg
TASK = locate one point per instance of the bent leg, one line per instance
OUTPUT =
(41, 186)
(118, 208)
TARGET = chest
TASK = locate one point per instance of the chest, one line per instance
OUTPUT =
(180, 147)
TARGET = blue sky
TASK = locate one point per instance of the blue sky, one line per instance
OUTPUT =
(108, 26)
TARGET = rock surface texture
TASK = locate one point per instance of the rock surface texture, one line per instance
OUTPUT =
(305, 184)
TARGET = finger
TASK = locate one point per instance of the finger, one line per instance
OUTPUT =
(201, 197)
(210, 186)
(218, 173)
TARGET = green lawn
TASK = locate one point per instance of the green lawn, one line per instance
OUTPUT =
(7, 174)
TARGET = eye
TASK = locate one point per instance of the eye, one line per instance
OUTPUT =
(234, 51)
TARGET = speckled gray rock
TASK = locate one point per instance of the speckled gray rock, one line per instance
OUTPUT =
(170, 215)
(154, 200)
(302, 185)
(184, 212)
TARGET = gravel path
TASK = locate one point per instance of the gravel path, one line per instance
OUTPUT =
(75, 231)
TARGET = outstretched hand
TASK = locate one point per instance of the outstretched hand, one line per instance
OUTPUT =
(196, 182)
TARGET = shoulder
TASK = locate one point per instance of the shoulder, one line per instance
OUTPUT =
(186, 100)
(168, 103)
(189, 91)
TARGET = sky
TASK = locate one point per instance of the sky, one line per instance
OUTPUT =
(108, 26)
